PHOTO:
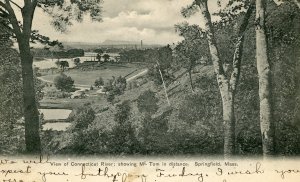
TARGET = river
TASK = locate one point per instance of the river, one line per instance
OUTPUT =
(56, 114)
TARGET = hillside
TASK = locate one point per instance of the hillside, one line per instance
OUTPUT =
(177, 90)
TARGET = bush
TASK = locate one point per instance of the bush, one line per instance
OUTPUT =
(77, 61)
(84, 116)
(115, 87)
(110, 97)
(64, 83)
(153, 136)
(99, 82)
(154, 75)
(147, 102)
(123, 139)
(57, 94)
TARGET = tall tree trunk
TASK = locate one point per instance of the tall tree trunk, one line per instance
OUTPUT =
(264, 74)
(229, 124)
(227, 87)
(31, 115)
(223, 83)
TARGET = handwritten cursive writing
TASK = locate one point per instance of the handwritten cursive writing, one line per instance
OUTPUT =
(44, 174)
(183, 173)
(41, 160)
(6, 172)
(257, 170)
(289, 171)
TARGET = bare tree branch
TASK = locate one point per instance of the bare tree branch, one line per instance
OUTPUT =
(2, 4)
(16, 4)
(237, 57)
(12, 18)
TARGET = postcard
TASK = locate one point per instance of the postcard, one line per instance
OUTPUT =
(149, 91)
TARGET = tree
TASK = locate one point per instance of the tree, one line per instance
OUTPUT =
(64, 83)
(283, 41)
(165, 57)
(84, 116)
(106, 57)
(123, 134)
(98, 57)
(264, 75)
(10, 95)
(77, 61)
(75, 53)
(23, 33)
(63, 65)
(99, 51)
(99, 82)
(227, 86)
(147, 103)
(191, 50)
(99, 54)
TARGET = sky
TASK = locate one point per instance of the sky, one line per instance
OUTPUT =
(128, 20)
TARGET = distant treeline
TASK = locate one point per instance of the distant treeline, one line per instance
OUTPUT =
(45, 53)
(146, 55)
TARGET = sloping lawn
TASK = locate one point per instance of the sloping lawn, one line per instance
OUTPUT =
(88, 77)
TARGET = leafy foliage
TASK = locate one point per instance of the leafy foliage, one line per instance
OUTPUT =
(114, 87)
(11, 111)
(99, 82)
(77, 61)
(147, 102)
(64, 83)
(123, 134)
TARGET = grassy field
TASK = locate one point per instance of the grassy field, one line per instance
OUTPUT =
(88, 77)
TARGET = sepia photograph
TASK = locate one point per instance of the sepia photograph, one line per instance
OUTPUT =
(150, 78)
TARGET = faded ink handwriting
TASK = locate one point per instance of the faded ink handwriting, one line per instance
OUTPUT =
(257, 170)
(6, 161)
(41, 160)
(113, 176)
(183, 173)
(6, 172)
(44, 174)
(289, 171)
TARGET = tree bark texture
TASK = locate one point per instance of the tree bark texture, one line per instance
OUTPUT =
(264, 74)
(227, 87)
(223, 83)
(31, 114)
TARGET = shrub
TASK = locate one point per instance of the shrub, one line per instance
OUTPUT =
(115, 87)
(77, 61)
(84, 116)
(64, 83)
(99, 82)
(153, 136)
(110, 97)
(147, 102)
(58, 94)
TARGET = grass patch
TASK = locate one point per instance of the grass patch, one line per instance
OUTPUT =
(88, 77)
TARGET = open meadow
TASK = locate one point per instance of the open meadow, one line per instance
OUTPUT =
(88, 77)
